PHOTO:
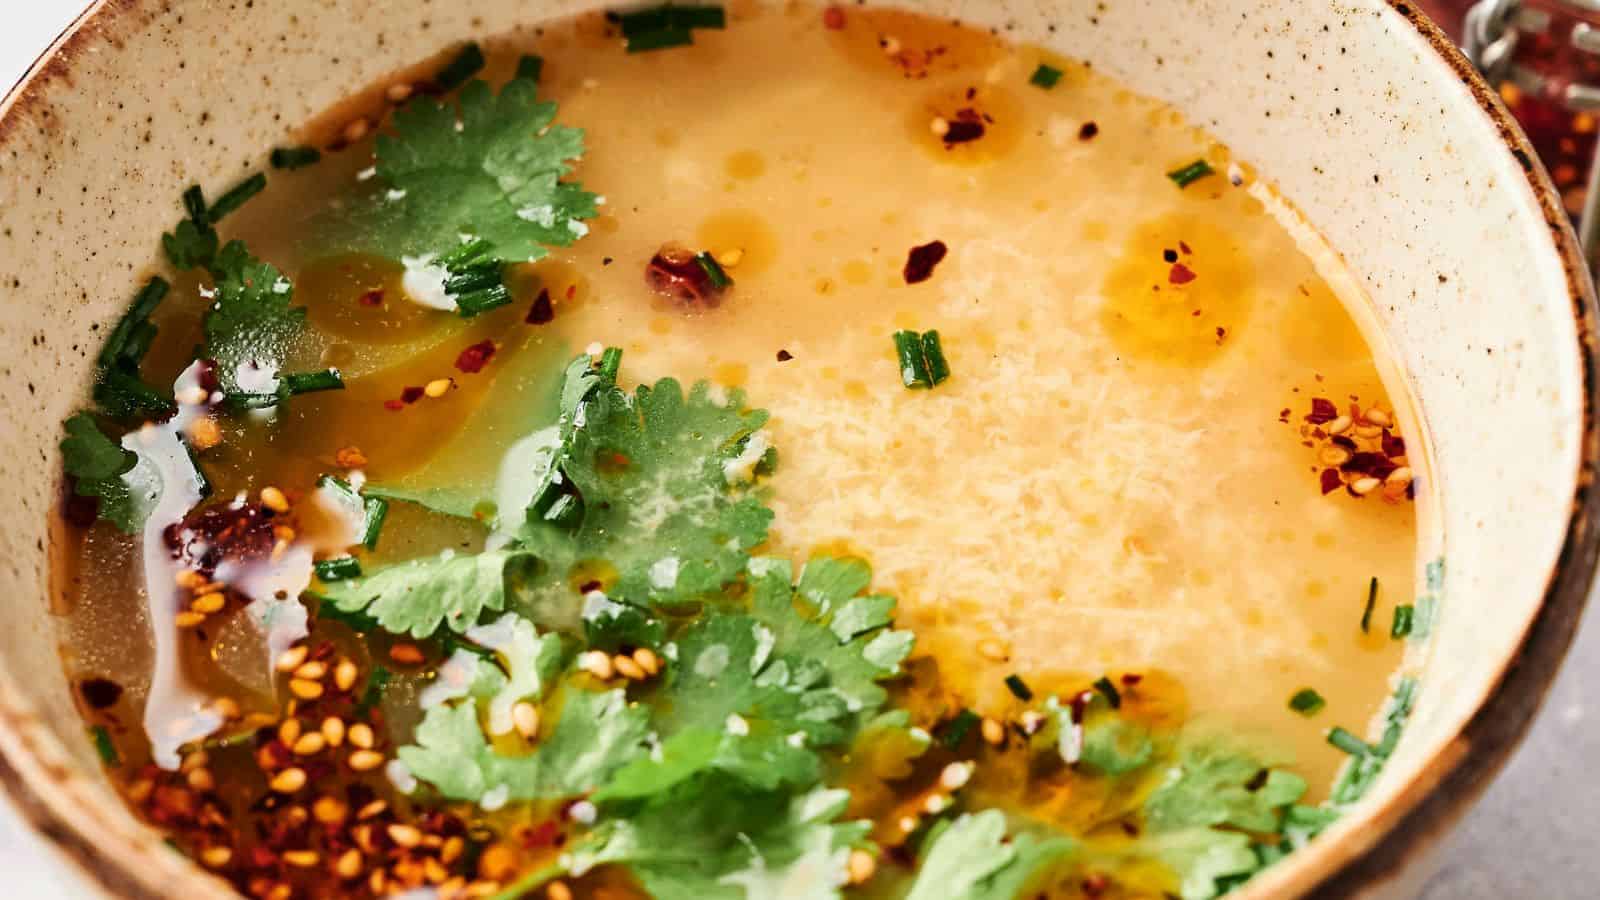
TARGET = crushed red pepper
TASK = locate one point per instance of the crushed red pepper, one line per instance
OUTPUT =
(968, 125)
(675, 273)
(542, 312)
(921, 260)
(474, 358)
(1181, 274)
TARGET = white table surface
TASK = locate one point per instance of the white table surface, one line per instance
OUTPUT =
(1536, 834)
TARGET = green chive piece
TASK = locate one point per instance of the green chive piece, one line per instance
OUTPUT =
(660, 40)
(530, 66)
(308, 382)
(1307, 702)
(194, 203)
(1045, 77)
(668, 17)
(1109, 691)
(236, 197)
(290, 158)
(713, 269)
(117, 347)
(124, 395)
(610, 363)
(104, 746)
(1191, 173)
(938, 368)
(1372, 601)
(956, 730)
(1422, 619)
(913, 364)
(1403, 616)
(377, 509)
(1349, 743)
(1019, 688)
(466, 64)
(338, 569)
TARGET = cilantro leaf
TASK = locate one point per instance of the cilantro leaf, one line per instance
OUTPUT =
(531, 660)
(970, 859)
(251, 324)
(127, 481)
(1115, 746)
(1201, 857)
(712, 839)
(598, 732)
(418, 596)
(1213, 785)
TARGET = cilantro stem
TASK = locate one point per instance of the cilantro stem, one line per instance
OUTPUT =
(466, 64)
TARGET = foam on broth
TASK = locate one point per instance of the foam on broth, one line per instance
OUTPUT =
(1107, 483)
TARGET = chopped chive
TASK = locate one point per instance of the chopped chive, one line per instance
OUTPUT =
(466, 64)
(236, 197)
(1019, 688)
(1109, 691)
(1403, 616)
(713, 17)
(1191, 173)
(338, 569)
(254, 400)
(668, 17)
(194, 203)
(290, 158)
(530, 66)
(1372, 601)
(1422, 618)
(938, 368)
(1307, 702)
(377, 509)
(1348, 742)
(124, 395)
(610, 363)
(713, 269)
(660, 40)
(1045, 76)
(308, 382)
(138, 315)
(913, 364)
(104, 746)
(955, 731)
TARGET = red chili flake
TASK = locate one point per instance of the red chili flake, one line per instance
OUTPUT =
(1095, 884)
(1181, 274)
(1222, 333)
(1375, 464)
(675, 273)
(1169, 255)
(1185, 248)
(474, 358)
(372, 298)
(411, 394)
(1132, 678)
(1340, 440)
(572, 291)
(921, 260)
(1283, 414)
(205, 538)
(1322, 410)
(1331, 481)
(542, 310)
(542, 835)
(967, 126)
(833, 18)
(1088, 131)
(784, 356)
(1394, 445)
(393, 405)
(1080, 704)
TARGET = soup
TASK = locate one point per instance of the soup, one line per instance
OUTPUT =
(763, 453)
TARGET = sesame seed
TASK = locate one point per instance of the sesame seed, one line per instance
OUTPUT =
(226, 707)
(1340, 425)
(406, 654)
(452, 849)
(729, 257)
(189, 579)
(583, 812)
(1400, 476)
(289, 732)
(201, 780)
(526, 718)
(940, 126)
(438, 387)
(216, 857)
(993, 732)
(398, 93)
(1333, 455)
(356, 130)
(935, 804)
(273, 499)
(194, 761)
(349, 864)
(289, 781)
(301, 859)
(558, 890)
(628, 668)
(375, 808)
(188, 619)
(405, 835)
(1368, 431)
(333, 730)
(956, 775)
(1365, 485)
(292, 658)
(345, 674)
(995, 649)
(310, 744)
(360, 735)
(596, 663)
(861, 866)
(908, 824)
(1031, 721)
(329, 811)
(305, 690)
(204, 433)
(208, 603)
(1378, 417)
(365, 760)
(890, 45)
(312, 671)
(647, 660)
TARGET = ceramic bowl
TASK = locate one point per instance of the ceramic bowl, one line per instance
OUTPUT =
(1360, 111)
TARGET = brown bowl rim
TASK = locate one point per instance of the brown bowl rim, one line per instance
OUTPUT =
(1478, 751)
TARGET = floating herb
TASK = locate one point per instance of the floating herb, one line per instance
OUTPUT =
(1307, 702)
(1187, 175)
(956, 730)
(1019, 688)
(1045, 76)
(921, 356)
(338, 569)
(104, 746)
(714, 272)
(1372, 602)
(466, 64)
(1109, 691)
(290, 158)
(1348, 742)
(1403, 617)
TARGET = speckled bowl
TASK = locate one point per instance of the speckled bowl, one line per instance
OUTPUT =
(1359, 110)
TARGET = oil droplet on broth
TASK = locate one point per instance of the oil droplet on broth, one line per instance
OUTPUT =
(909, 45)
(1168, 305)
(744, 232)
(361, 298)
(994, 109)
(745, 164)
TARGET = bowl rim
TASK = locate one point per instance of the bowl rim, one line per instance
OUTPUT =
(118, 861)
